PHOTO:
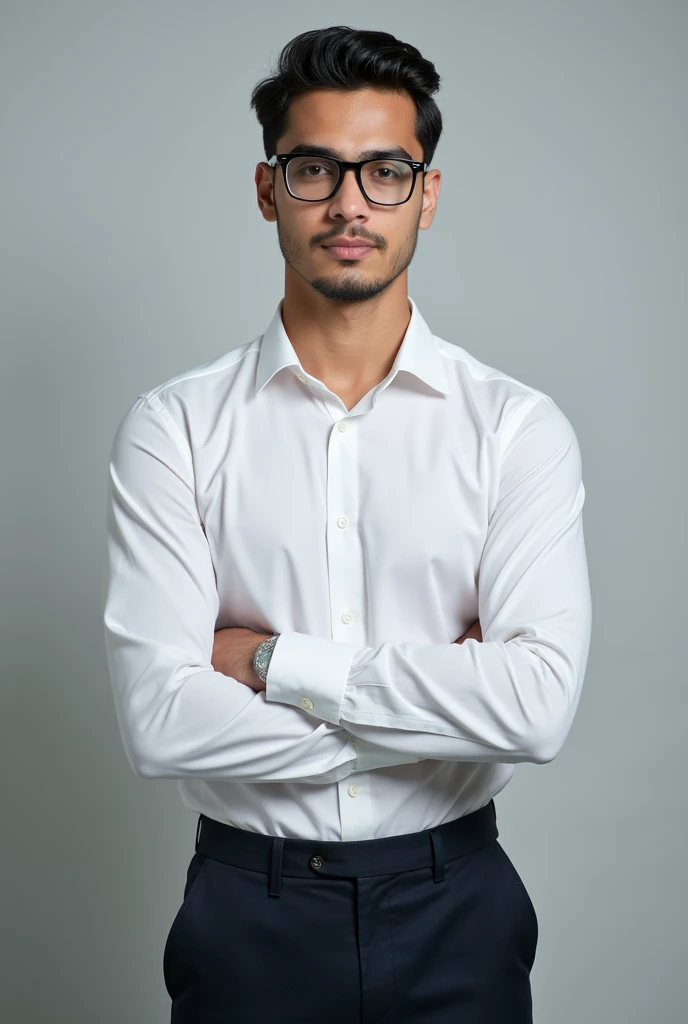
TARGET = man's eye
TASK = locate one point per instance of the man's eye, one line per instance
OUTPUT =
(322, 167)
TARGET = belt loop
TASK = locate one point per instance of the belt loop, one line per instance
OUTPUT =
(437, 855)
(198, 831)
(276, 866)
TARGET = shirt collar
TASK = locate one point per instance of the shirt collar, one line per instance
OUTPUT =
(419, 353)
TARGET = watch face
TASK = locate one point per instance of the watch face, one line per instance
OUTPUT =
(261, 658)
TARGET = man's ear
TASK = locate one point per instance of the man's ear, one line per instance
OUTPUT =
(264, 179)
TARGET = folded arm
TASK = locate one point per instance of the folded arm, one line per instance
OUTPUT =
(512, 697)
(178, 717)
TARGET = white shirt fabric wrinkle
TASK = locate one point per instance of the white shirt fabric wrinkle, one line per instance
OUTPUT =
(243, 493)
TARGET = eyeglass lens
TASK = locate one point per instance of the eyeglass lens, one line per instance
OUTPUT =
(384, 181)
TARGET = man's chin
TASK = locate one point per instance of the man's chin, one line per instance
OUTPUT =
(348, 288)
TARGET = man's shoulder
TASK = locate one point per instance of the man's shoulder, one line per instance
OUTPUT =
(197, 380)
(500, 400)
(479, 373)
(188, 401)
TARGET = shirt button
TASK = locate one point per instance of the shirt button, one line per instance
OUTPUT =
(342, 521)
(341, 426)
(353, 790)
(307, 703)
(347, 617)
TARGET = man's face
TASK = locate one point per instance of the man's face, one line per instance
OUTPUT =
(348, 123)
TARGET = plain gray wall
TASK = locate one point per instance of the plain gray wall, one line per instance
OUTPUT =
(132, 248)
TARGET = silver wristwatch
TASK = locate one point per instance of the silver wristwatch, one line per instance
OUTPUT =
(262, 655)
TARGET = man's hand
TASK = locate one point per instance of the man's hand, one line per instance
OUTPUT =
(233, 650)
(473, 633)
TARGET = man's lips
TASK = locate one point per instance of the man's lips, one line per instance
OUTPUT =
(354, 242)
(349, 249)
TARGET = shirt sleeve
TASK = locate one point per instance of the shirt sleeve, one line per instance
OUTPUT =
(178, 717)
(513, 696)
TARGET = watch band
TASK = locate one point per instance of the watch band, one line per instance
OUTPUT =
(262, 655)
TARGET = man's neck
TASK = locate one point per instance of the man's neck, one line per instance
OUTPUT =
(350, 347)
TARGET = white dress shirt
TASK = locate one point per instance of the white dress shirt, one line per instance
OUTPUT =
(244, 493)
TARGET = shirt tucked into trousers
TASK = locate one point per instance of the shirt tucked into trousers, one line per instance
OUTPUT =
(347, 866)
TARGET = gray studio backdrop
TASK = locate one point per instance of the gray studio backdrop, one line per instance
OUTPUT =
(132, 248)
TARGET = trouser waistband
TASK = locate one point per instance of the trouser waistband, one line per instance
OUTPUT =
(308, 858)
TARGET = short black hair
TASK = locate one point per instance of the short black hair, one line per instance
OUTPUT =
(340, 57)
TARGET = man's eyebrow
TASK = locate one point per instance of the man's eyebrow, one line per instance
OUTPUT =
(308, 149)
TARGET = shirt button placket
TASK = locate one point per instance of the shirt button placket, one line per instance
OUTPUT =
(347, 591)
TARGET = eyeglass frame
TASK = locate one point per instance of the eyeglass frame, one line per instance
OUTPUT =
(417, 166)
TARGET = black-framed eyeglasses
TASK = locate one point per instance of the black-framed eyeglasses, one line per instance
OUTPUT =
(388, 182)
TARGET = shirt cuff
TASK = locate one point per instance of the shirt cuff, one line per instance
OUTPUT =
(309, 672)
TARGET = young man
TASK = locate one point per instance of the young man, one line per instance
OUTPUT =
(298, 530)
